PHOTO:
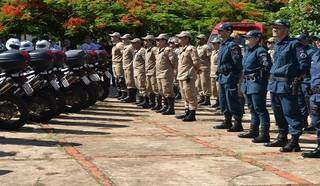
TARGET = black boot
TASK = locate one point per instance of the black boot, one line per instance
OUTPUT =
(186, 112)
(292, 146)
(145, 104)
(170, 110)
(263, 137)
(191, 116)
(164, 106)
(158, 105)
(312, 154)
(305, 122)
(201, 99)
(177, 94)
(140, 100)
(253, 132)
(281, 141)
(152, 100)
(226, 124)
(119, 94)
(123, 95)
(237, 125)
(309, 129)
(206, 101)
(131, 98)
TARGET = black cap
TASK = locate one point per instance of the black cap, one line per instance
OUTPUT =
(281, 22)
(303, 37)
(254, 34)
(226, 26)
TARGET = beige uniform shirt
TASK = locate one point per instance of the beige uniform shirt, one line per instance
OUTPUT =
(187, 59)
(127, 56)
(117, 53)
(151, 54)
(214, 63)
(165, 62)
(139, 62)
(204, 53)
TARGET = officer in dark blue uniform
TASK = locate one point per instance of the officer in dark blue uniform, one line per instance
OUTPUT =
(305, 90)
(290, 65)
(256, 67)
(315, 99)
(229, 71)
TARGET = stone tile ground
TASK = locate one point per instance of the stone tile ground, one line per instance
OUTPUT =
(114, 143)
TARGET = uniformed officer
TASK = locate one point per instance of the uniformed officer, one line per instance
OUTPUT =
(256, 67)
(127, 59)
(270, 45)
(117, 64)
(290, 64)
(150, 64)
(164, 72)
(204, 52)
(175, 46)
(213, 70)
(140, 71)
(305, 90)
(229, 73)
(188, 66)
(315, 99)
(88, 45)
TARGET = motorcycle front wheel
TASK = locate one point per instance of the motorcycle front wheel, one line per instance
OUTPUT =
(13, 113)
(42, 107)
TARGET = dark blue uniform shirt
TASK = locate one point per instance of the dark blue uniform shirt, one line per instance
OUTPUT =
(290, 61)
(256, 67)
(315, 76)
(229, 62)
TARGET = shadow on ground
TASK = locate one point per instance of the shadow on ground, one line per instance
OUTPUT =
(34, 142)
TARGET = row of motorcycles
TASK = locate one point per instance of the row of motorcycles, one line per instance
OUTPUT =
(39, 85)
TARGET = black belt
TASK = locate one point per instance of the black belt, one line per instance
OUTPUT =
(284, 79)
(252, 76)
(316, 90)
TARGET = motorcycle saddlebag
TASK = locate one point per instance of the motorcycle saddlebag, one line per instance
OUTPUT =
(92, 56)
(60, 58)
(41, 60)
(76, 58)
(13, 61)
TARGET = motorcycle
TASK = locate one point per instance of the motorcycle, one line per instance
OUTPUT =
(47, 100)
(82, 92)
(14, 86)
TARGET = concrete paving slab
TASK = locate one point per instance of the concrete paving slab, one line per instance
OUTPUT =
(207, 171)
(139, 146)
(44, 172)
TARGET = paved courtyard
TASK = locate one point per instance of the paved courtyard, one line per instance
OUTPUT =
(114, 143)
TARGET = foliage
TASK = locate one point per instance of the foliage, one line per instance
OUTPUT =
(76, 18)
(303, 15)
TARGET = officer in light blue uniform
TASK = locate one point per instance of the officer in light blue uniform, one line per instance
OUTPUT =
(256, 67)
(88, 45)
(291, 63)
(315, 99)
(305, 85)
(229, 71)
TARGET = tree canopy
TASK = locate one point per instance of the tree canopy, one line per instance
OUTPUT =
(76, 18)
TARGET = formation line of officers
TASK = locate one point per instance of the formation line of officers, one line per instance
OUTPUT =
(161, 70)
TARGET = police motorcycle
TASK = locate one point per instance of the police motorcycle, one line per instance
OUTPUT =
(102, 67)
(82, 90)
(95, 73)
(46, 101)
(14, 87)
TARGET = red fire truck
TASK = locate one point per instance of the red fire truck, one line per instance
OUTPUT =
(239, 28)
